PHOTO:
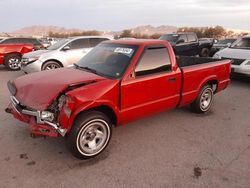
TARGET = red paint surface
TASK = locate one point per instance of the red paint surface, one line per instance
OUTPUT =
(130, 98)
(6, 49)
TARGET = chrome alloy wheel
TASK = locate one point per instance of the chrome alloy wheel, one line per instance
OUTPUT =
(14, 63)
(206, 99)
(93, 137)
(52, 66)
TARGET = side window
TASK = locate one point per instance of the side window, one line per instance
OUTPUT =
(95, 41)
(23, 41)
(79, 43)
(184, 37)
(154, 60)
(191, 38)
(10, 41)
(32, 41)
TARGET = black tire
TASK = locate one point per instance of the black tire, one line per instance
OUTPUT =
(203, 102)
(13, 61)
(82, 138)
(49, 65)
(204, 52)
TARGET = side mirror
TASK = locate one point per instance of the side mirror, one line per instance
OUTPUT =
(180, 41)
(229, 44)
(66, 48)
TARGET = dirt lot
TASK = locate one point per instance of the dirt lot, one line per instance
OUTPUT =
(172, 149)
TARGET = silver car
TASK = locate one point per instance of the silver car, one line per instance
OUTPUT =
(61, 54)
(239, 52)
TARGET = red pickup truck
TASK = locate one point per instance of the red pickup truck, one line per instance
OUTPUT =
(117, 82)
(11, 54)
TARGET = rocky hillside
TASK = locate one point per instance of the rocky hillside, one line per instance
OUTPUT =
(44, 30)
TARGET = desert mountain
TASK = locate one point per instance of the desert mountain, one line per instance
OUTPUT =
(44, 30)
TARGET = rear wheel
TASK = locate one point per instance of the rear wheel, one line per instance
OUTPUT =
(13, 61)
(204, 100)
(51, 65)
(205, 52)
(90, 135)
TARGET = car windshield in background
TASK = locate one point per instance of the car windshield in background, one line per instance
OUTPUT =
(226, 41)
(243, 43)
(170, 38)
(109, 60)
(59, 44)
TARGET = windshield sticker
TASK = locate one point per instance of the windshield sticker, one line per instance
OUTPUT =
(126, 51)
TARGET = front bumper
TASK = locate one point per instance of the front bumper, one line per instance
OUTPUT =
(242, 69)
(27, 67)
(38, 127)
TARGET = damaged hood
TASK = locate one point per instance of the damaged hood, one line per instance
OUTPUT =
(39, 90)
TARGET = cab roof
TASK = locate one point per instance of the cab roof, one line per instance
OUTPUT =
(137, 42)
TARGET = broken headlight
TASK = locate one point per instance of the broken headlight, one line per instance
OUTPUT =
(47, 116)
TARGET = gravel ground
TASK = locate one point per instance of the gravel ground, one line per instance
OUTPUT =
(172, 149)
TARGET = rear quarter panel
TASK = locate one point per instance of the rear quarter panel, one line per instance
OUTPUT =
(195, 77)
(8, 49)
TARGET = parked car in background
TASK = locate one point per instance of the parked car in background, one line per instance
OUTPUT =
(127, 38)
(47, 42)
(210, 41)
(11, 54)
(239, 52)
(117, 82)
(221, 44)
(37, 45)
(1, 38)
(187, 44)
(61, 54)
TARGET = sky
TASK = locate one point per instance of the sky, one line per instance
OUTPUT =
(116, 15)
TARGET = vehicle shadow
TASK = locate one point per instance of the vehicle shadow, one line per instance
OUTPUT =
(4, 69)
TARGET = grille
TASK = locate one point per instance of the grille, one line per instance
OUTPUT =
(235, 61)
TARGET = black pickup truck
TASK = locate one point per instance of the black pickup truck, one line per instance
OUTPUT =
(188, 44)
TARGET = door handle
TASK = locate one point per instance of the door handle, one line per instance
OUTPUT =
(172, 79)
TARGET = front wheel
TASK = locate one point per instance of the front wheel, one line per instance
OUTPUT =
(51, 65)
(204, 100)
(90, 135)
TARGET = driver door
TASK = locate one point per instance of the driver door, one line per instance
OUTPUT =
(154, 88)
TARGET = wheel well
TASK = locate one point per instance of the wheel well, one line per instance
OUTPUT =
(55, 61)
(108, 111)
(214, 84)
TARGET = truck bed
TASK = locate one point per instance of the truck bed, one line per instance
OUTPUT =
(184, 61)
(197, 70)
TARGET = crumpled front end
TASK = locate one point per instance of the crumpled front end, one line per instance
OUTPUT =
(41, 123)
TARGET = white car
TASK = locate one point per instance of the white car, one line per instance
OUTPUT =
(62, 54)
(239, 52)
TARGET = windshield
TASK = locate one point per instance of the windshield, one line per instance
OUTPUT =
(58, 45)
(243, 43)
(226, 41)
(170, 37)
(110, 60)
